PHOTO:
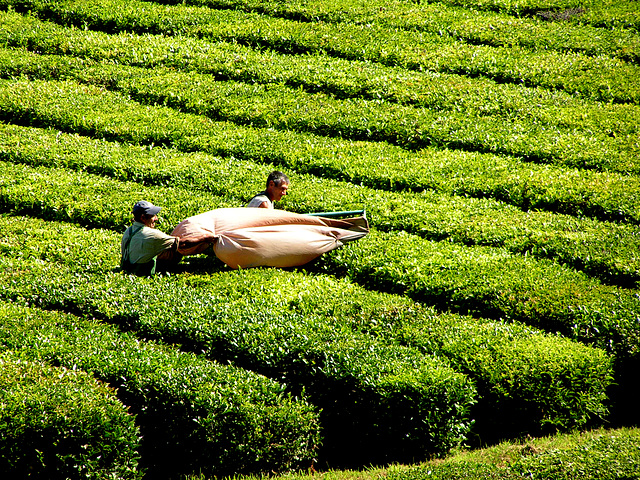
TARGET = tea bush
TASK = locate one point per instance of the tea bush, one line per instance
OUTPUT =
(484, 281)
(517, 369)
(59, 204)
(496, 284)
(369, 392)
(609, 196)
(600, 78)
(581, 253)
(314, 73)
(594, 455)
(619, 14)
(286, 108)
(60, 423)
(406, 109)
(606, 251)
(213, 418)
(493, 23)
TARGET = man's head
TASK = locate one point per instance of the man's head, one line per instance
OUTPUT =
(277, 185)
(145, 212)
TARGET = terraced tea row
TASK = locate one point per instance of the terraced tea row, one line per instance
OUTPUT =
(510, 326)
(469, 24)
(604, 250)
(76, 425)
(523, 184)
(596, 454)
(212, 417)
(307, 329)
(488, 282)
(285, 108)
(371, 394)
(318, 73)
(599, 78)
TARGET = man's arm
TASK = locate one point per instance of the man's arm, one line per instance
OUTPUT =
(194, 240)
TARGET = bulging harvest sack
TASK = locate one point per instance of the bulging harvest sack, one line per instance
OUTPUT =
(253, 237)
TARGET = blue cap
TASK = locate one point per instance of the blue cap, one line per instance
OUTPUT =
(145, 207)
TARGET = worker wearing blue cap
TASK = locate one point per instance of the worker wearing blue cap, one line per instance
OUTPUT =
(142, 242)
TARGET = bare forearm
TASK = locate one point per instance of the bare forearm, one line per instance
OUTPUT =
(193, 240)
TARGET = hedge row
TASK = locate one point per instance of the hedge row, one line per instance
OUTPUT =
(516, 368)
(623, 14)
(604, 250)
(69, 197)
(496, 284)
(285, 108)
(609, 196)
(541, 19)
(379, 402)
(60, 423)
(594, 455)
(480, 280)
(471, 25)
(608, 14)
(558, 383)
(319, 73)
(194, 415)
(600, 77)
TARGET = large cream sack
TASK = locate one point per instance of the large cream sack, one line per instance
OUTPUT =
(253, 237)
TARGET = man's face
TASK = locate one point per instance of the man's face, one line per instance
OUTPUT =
(277, 192)
(149, 220)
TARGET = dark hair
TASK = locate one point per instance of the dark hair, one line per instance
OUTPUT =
(137, 216)
(278, 178)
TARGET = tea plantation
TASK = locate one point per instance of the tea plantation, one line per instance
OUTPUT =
(495, 147)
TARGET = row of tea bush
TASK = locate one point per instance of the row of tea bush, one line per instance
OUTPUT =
(340, 344)
(533, 23)
(598, 77)
(485, 281)
(604, 250)
(604, 195)
(207, 415)
(380, 401)
(321, 73)
(280, 107)
(59, 422)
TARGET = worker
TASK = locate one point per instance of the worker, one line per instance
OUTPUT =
(142, 243)
(277, 186)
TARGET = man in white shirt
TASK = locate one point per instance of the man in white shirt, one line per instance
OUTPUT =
(277, 186)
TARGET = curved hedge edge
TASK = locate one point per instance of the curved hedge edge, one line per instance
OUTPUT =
(339, 78)
(194, 415)
(493, 283)
(603, 250)
(529, 186)
(391, 401)
(536, 382)
(58, 423)
(528, 381)
(532, 379)
(483, 281)
(396, 401)
(601, 454)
